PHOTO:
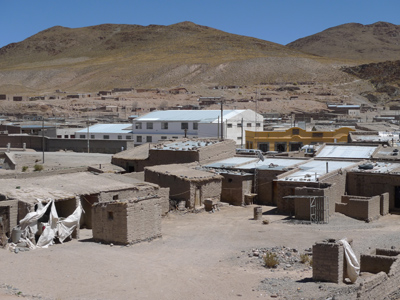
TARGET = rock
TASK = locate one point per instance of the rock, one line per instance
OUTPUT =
(16, 250)
(111, 244)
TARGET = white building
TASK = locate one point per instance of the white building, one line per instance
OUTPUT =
(106, 132)
(173, 124)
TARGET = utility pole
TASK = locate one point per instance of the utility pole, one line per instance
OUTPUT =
(88, 146)
(43, 139)
(222, 119)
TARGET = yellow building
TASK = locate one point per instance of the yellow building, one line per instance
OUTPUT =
(293, 139)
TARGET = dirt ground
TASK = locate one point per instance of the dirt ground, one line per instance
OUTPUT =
(200, 256)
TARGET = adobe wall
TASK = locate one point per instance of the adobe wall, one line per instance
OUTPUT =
(209, 189)
(218, 151)
(372, 184)
(302, 205)
(376, 263)
(384, 204)
(328, 262)
(166, 157)
(10, 218)
(234, 187)
(265, 186)
(179, 189)
(337, 188)
(287, 188)
(362, 208)
(107, 228)
(127, 222)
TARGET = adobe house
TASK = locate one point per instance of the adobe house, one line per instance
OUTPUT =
(128, 221)
(67, 190)
(249, 177)
(174, 152)
(186, 183)
(325, 178)
(381, 177)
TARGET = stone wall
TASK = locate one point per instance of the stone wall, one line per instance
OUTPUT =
(127, 222)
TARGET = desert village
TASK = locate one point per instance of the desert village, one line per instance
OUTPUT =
(118, 184)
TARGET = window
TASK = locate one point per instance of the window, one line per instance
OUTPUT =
(229, 125)
(138, 125)
(258, 124)
(139, 139)
(174, 137)
(120, 137)
(115, 197)
(92, 136)
(248, 124)
(239, 124)
(106, 137)
(111, 215)
(82, 136)
(195, 126)
(239, 137)
(149, 125)
(149, 139)
(185, 125)
(163, 137)
(164, 125)
(317, 134)
(60, 136)
(128, 137)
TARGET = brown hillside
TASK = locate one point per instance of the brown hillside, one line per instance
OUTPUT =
(369, 43)
(111, 55)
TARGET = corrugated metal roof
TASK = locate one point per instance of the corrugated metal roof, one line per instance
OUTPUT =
(312, 170)
(185, 145)
(272, 164)
(108, 128)
(201, 116)
(231, 162)
(340, 151)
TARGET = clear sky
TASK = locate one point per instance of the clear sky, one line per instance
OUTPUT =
(279, 21)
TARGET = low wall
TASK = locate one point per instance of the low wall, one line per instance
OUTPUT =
(357, 207)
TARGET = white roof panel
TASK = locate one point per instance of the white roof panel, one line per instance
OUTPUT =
(340, 151)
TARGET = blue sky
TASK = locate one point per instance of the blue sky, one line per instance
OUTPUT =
(277, 21)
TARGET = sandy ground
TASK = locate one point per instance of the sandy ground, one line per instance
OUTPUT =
(200, 256)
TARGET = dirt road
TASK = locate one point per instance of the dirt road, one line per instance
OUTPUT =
(200, 256)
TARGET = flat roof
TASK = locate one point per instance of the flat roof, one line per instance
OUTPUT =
(379, 167)
(312, 170)
(186, 145)
(342, 151)
(108, 128)
(248, 163)
(201, 116)
(60, 186)
(232, 162)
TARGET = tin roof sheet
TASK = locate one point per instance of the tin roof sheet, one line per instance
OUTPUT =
(108, 128)
(341, 151)
(201, 116)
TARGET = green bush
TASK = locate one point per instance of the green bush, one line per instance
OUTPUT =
(270, 260)
(24, 168)
(304, 258)
(38, 168)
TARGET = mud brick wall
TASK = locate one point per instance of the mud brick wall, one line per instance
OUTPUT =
(337, 182)
(302, 205)
(376, 263)
(362, 208)
(208, 189)
(384, 204)
(234, 187)
(265, 186)
(328, 262)
(109, 222)
(387, 252)
(372, 184)
(127, 222)
(218, 151)
(144, 220)
(287, 188)
(179, 188)
(10, 215)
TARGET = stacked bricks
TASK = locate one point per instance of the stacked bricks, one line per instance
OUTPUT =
(328, 261)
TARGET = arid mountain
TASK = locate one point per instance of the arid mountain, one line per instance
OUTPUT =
(368, 43)
(385, 76)
(110, 55)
